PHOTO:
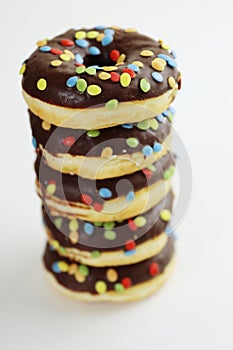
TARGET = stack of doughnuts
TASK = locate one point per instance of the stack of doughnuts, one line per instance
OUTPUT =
(101, 117)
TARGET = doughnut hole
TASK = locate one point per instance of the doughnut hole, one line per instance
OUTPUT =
(99, 60)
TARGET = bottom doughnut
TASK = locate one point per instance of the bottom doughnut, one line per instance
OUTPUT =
(118, 284)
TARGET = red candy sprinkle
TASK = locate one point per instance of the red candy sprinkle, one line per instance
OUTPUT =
(130, 245)
(130, 72)
(114, 54)
(126, 282)
(115, 77)
(132, 225)
(67, 42)
(86, 199)
(97, 206)
(56, 51)
(68, 141)
(52, 182)
(154, 269)
(147, 172)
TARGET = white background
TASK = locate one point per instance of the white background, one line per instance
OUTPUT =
(194, 310)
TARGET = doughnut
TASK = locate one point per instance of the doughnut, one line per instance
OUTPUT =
(111, 243)
(98, 78)
(99, 154)
(118, 283)
(104, 200)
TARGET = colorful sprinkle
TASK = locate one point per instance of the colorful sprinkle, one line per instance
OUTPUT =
(97, 206)
(86, 199)
(22, 69)
(164, 46)
(45, 48)
(100, 287)
(158, 64)
(81, 85)
(69, 53)
(109, 68)
(144, 125)
(110, 235)
(58, 222)
(63, 266)
(94, 90)
(130, 245)
(130, 30)
(172, 63)
(93, 133)
(84, 270)
(73, 236)
(82, 43)
(65, 57)
(34, 143)
(56, 51)
(126, 282)
(73, 225)
(71, 82)
(115, 77)
(161, 118)
(55, 268)
(92, 34)
(109, 31)
(79, 277)
(45, 125)
(80, 69)
(140, 221)
(72, 269)
(164, 57)
(55, 244)
(109, 224)
(41, 84)
(144, 85)
(130, 196)
(95, 254)
(104, 76)
(104, 192)
(112, 275)
(107, 152)
(114, 55)
(132, 142)
(93, 50)
(78, 58)
(88, 228)
(121, 58)
(90, 70)
(119, 288)
(100, 26)
(147, 151)
(51, 189)
(133, 67)
(154, 124)
(132, 225)
(165, 215)
(171, 82)
(154, 269)
(107, 39)
(146, 53)
(157, 147)
(67, 42)
(56, 63)
(125, 79)
(127, 126)
(42, 42)
(138, 63)
(99, 37)
(80, 35)
(68, 141)
(130, 72)
(157, 77)
(112, 104)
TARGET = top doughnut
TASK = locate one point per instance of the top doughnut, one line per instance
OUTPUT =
(122, 75)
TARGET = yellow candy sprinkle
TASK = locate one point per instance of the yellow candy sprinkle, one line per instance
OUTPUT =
(112, 275)
(171, 82)
(22, 69)
(100, 37)
(92, 34)
(125, 79)
(72, 269)
(121, 58)
(79, 277)
(154, 124)
(41, 84)
(104, 76)
(80, 35)
(109, 68)
(165, 215)
(65, 57)
(51, 189)
(56, 63)
(138, 63)
(130, 30)
(42, 42)
(107, 152)
(55, 244)
(146, 53)
(94, 90)
(45, 125)
(69, 53)
(73, 225)
(100, 287)
(63, 266)
(73, 236)
(158, 64)
(164, 46)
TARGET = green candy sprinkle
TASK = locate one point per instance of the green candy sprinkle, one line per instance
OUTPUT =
(80, 70)
(154, 124)
(98, 224)
(91, 71)
(109, 224)
(73, 225)
(144, 85)
(119, 288)
(95, 254)
(81, 85)
(110, 235)
(62, 249)
(58, 222)
(132, 142)
(84, 270)
(93, 133)
(151, 167)
(112, 104)
(144, 125)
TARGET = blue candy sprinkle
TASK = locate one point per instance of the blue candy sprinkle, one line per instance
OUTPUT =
(173, 54)
(78, 58)
(164, 57)
(96, 67)
(88, 228)
(99, 27)
(45, 48)
(172, 110)
(134, 67)
(166, 113)
(34, 143)
(55, 268)
(147, 151)
(161, 118)
(127, 126)
(93, 50)
(130, 252)
(104, 192)
(71, 82)
(81, 43)
(157, 77)
(109, 31)
(130, 196)
(172, 63)
(107, 39)
(157, 147)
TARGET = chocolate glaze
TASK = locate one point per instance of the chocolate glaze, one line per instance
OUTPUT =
(138, 273)
(114, 137)
(96, 241)
(38, 66)
(72, 187)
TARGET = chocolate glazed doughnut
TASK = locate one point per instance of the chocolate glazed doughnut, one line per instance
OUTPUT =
(100, 77)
